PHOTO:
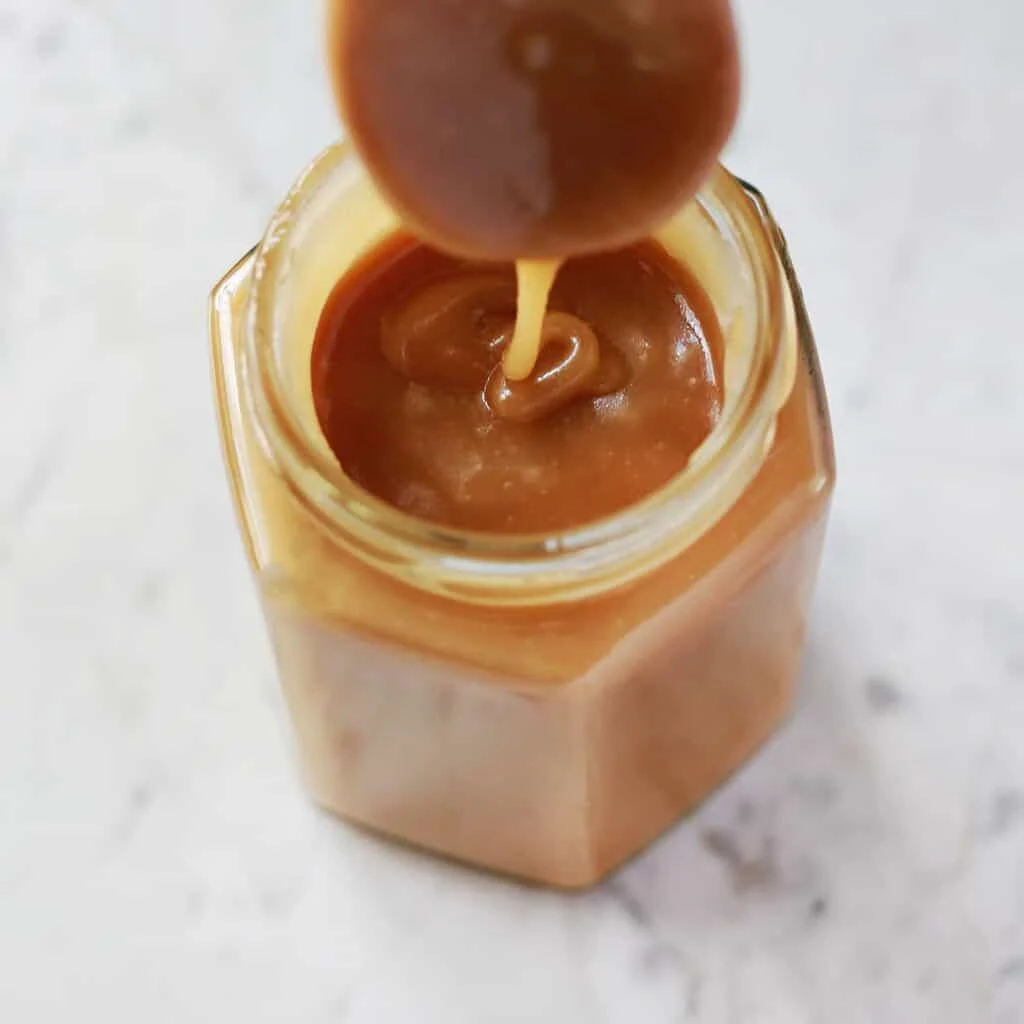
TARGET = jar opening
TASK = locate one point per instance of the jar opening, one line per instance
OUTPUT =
(332, 216)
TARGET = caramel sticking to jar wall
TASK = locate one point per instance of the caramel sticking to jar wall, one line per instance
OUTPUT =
(540, 705)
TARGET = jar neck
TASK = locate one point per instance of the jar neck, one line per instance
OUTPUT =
(727, 239)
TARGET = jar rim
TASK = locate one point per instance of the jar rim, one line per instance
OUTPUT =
(540, 568)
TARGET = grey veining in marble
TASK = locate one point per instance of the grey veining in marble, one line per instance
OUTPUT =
(158, 861)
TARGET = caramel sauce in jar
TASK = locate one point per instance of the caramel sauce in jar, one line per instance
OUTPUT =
(534, 522)
(412, 397)
(541, 703)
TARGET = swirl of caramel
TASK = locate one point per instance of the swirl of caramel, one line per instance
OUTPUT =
(571, 365)
(450, 333)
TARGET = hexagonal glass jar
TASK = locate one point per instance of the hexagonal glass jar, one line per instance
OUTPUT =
(542, 706)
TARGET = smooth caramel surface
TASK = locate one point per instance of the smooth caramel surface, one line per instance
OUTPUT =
(413, 400)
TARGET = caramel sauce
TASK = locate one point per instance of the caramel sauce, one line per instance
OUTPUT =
(415, 402)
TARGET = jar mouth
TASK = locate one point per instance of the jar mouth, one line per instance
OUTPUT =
(520, 569)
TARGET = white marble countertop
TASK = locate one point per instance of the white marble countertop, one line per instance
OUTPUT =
(158, 861)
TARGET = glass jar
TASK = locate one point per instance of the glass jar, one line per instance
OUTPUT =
(542, 706)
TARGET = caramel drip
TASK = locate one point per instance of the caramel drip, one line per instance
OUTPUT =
(535, 279)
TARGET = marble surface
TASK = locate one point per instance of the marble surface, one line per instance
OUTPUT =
(158, 861)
